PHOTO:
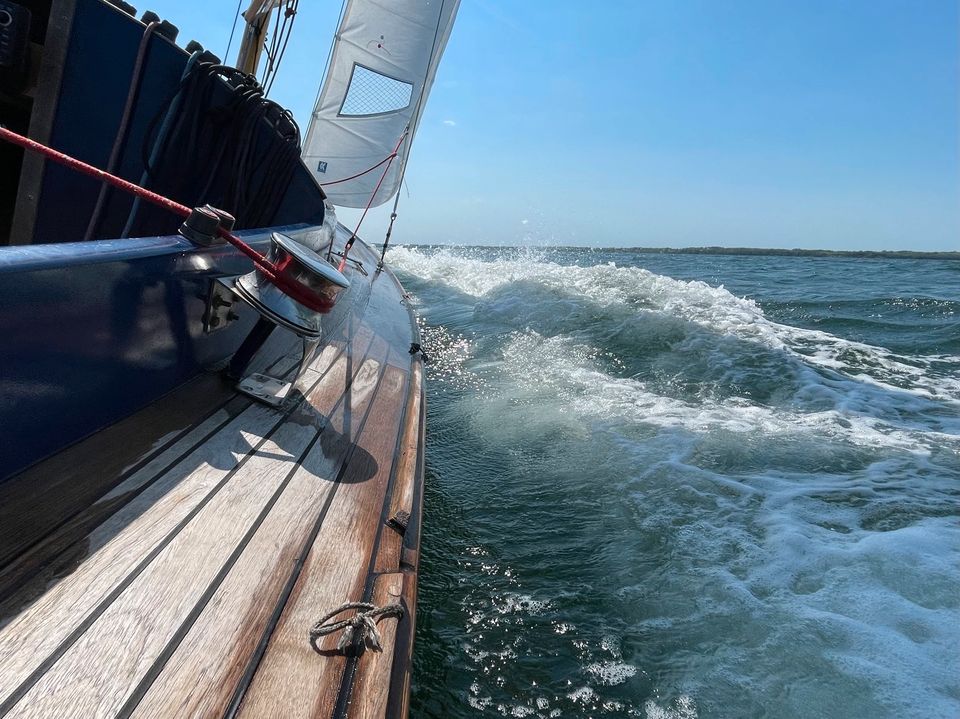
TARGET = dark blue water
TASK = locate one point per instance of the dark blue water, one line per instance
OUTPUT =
(688, 485)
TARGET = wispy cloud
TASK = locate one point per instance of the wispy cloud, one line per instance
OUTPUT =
(450, 123)
(497, 14)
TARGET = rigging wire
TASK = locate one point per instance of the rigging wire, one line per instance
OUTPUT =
(414, 122)
(359, 174)
(226, 55)
(290, 12)
(278, 42)
(353, 236)
(393, 218)
(271, 51)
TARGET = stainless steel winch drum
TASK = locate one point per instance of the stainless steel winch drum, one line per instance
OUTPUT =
(303, 265)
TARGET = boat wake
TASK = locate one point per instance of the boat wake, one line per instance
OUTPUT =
(704, 509)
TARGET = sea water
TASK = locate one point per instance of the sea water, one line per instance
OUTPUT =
(688, 485)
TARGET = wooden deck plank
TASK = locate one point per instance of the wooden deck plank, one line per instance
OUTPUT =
(292, 679)
(125, 540)
(150, 610)
(36, 501)
(379, 686)
(52, 557)
(200, 677)
(370, 691)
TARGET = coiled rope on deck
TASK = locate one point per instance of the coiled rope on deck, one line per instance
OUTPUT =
(362, 627)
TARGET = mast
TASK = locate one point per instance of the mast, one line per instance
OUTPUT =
(257, 18)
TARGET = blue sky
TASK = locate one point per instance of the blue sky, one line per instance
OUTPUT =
(768, 123)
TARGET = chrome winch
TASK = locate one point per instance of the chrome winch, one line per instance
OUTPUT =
(305, 266)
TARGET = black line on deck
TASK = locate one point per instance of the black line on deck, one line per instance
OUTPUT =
(350, 668)
(137, 695)
(257, 656)
(349, 672)
(27, 684)
(138, 465)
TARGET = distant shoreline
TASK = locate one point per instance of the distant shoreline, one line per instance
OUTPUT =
(755, 251)
(873, 254)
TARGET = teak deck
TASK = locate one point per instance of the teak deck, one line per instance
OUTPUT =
(172, 565)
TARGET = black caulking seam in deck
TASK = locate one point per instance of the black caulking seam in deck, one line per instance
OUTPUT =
(137, 695)
(134, 494)
(350, 668)
(160, 662)
(140, 464)
(85, 437)
(257, 656)
(349, 672)
(4, 595)
(27, 684)
(403, 644)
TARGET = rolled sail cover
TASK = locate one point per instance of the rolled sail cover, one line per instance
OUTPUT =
(384, 59)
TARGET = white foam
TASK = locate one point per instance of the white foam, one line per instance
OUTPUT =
(611, 673)
(558, 366)
(512, 603)
(807, 533)
(583, 695)
(712, 308)
(683, 708)
(521, 711)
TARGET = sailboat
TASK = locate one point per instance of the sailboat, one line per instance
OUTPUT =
(211, 392)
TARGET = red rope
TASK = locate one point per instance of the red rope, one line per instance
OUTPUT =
(359, 174)
(353, 237)
(296, 290)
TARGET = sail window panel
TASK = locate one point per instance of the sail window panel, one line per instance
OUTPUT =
(372, 93)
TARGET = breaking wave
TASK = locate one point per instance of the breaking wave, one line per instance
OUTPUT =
(681, 505)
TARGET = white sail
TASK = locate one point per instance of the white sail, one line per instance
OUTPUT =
(384, 59)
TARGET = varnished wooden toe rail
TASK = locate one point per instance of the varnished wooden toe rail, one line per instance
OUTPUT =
(172, 565)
